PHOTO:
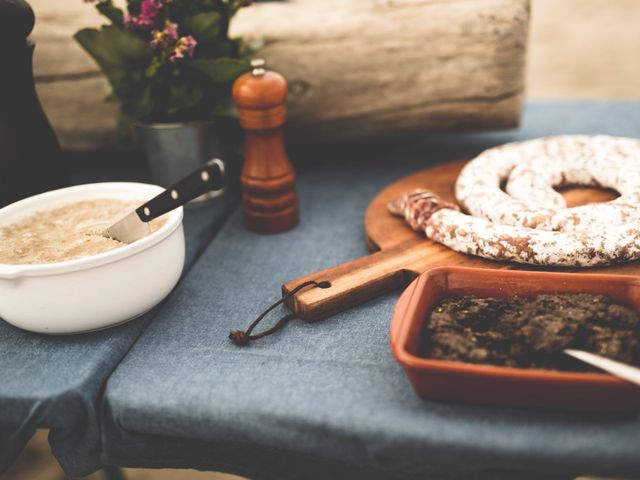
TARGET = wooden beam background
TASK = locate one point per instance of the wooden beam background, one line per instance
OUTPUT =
(361, 69)
(577, 49)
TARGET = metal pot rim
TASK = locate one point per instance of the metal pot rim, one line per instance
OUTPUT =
(171, 125)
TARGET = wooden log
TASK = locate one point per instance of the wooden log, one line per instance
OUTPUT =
(357, 70)
(370, 69)
(70, 86)
(76, 108)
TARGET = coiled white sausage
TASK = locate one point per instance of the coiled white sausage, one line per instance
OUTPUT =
(530, 223)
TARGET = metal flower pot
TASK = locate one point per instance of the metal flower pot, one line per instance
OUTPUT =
(172, 150)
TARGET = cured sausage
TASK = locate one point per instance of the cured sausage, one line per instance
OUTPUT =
(529, 223)
(531, 169)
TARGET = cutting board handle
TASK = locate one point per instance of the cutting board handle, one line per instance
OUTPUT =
(357, 281)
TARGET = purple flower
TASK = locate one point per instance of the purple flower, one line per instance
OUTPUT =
(166, 37)
(149, 10)
(184, 45)
(129, 21)
(171, 30)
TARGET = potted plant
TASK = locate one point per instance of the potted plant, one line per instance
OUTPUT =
(170, 64)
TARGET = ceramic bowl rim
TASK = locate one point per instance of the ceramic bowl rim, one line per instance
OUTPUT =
(12, 271)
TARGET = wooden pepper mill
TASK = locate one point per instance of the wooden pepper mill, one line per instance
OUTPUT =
(269, 197)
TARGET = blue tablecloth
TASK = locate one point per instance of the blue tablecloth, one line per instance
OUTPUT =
(56, 382)
(327, 400)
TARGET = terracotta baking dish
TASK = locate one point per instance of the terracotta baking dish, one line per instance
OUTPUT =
(493, 385)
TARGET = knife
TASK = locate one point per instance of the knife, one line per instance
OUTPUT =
(135, 225)
(622, 370)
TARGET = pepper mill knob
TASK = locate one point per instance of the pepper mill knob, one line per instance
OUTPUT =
(269, 196)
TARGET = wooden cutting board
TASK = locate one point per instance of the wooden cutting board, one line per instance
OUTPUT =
(400, 254)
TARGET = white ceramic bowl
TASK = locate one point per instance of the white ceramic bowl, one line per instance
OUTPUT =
(95, 292)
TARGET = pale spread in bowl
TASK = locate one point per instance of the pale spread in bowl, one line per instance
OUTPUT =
(65, 233)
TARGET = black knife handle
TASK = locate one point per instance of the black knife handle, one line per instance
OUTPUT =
(209, 177)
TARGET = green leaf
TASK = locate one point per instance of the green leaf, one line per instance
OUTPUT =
(123, 57)
(113, 13)
(221, 70)
(183, 96)
(125, 82)
(141, 104)
(134, 6)
(204, 27)
(221, 48)
(153, 69)
(236, 47)
(114, 46)
(224, 108)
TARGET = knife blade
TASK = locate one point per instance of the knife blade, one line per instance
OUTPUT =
(135, 225)
(619, 369)
(129, 229)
